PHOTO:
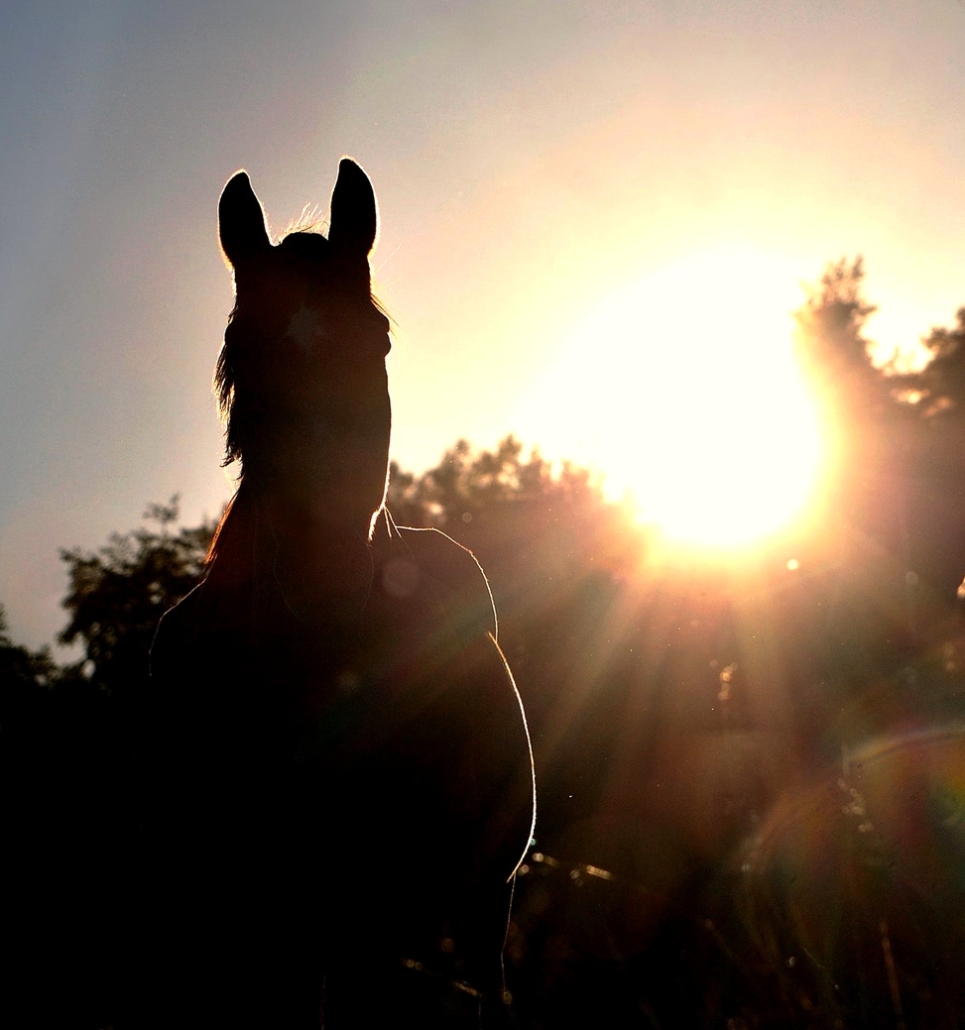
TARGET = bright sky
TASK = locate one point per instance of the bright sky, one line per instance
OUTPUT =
(537, 162)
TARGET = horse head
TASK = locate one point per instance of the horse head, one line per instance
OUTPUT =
(302, 387)
(301, 377)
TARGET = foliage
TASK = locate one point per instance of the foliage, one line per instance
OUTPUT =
(941, 384)
(523, 520)
(839, 357)
(21, 668)
(118, 594)
(466, 485)
(897, 436)
(832, 345)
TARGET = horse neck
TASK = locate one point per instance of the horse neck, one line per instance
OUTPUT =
(290, 568)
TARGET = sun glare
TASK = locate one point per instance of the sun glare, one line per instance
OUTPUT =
(681, 387)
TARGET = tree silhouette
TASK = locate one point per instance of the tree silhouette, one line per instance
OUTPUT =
(22, 669)
(899, 437)
(70, 767)
(118, 593)
(832, 346)
(941, 383)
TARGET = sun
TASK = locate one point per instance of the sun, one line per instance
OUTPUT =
(682, 388)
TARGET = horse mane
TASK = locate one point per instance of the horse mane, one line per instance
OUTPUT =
(238, 337)
(235, 529)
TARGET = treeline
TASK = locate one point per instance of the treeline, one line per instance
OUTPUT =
(749, 769)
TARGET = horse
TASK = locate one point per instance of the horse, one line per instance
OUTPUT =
(342, 779)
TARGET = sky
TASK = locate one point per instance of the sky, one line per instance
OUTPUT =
(533, 160)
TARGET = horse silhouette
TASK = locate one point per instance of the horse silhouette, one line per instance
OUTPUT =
(342, 776)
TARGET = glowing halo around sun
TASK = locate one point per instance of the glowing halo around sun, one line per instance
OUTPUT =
(682, 389)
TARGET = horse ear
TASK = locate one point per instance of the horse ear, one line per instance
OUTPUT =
(241, 221)
(354, 218)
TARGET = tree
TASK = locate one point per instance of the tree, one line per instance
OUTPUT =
(526, 522)
(23, 670)
(940, 385)
(832, 346)
(898, 437)
(118, 594)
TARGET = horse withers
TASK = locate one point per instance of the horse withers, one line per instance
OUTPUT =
(342, 777)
